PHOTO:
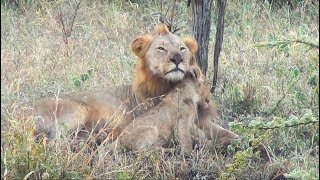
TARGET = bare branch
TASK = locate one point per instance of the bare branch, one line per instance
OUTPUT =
(219, 39)
(66, 31)
(285, 126)
(312, 45)
(172, 14)
(167, 19)
(74, 17)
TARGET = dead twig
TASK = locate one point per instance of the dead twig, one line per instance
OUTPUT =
(67, 31)
(169, 19)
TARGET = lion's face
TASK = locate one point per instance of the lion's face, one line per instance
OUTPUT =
(164, 54)
(168, 57)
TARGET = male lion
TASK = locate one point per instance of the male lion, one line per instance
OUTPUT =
(174, 117)
(164, 60)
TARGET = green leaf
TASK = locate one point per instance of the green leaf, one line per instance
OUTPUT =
(313, 82)
(90, 71)
(84, 77)
(296, 72)
(77, 82)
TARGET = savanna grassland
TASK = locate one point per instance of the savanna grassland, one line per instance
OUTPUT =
(268, 88)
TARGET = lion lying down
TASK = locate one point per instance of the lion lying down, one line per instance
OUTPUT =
(164, 59)
(174, 117)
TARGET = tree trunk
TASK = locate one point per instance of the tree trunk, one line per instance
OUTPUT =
(201, 21)
(219, 38)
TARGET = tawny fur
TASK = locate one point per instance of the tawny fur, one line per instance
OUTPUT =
(110, 110)
(173, 119)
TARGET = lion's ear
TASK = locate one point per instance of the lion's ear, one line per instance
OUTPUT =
(192, 44)
(197, 73)
(140, 45)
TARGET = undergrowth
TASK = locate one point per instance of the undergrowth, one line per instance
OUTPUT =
(268, 88)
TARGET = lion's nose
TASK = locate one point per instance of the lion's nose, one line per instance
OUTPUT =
(176, 58)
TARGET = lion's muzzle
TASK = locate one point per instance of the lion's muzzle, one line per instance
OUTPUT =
(176, 58)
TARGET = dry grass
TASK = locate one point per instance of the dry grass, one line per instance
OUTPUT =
(256, 84)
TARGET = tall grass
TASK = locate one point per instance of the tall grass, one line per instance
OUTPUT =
(259, 85)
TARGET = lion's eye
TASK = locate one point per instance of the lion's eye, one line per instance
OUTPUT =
(182, 48)
(161, 48)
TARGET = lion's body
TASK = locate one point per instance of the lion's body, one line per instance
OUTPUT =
(164, 59)
(90, 110)
(174, 117)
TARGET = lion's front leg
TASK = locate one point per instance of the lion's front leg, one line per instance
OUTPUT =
(198, 135)
(219, 134)
(206, 118)
(183, 128)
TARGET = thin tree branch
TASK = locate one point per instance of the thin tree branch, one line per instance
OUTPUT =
(219, 39)
(285, 126)
(312, 45)
(68, 30)
(168, 19)
(285, 94)
(74, 17)
(172, 14)
(64, 33)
